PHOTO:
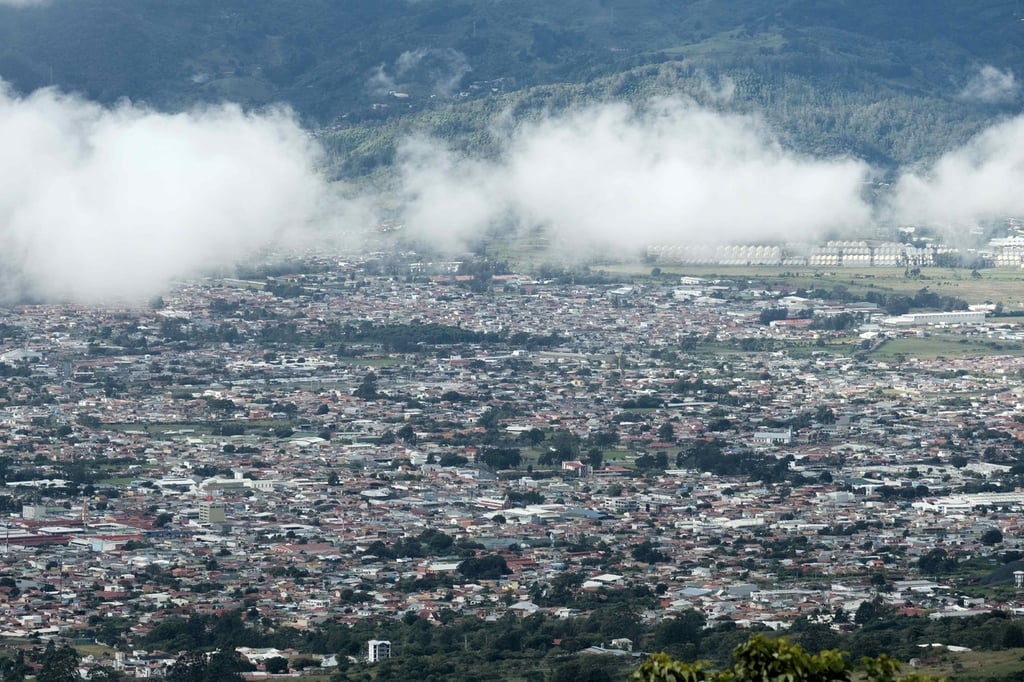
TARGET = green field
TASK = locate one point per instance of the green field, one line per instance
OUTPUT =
(945, 345)
(1003, 285)
(97, 650)
(727, 43)
(797, 348)
(1006, 664)
(197, 429)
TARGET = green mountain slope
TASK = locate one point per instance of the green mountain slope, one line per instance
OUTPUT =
(875, 78)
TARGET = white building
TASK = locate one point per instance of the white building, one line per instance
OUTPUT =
(778, 437)
(378, 650)
(953, 317)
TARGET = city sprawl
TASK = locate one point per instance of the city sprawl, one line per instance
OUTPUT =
(335, 446)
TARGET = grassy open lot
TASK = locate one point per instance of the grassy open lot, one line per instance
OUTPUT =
(196, 429)
(936, 345)
(97, 650)
(794, 348)
(1004, 285)
(616, 455)
(117, 480)
(727, 43)
(943, 345)
(1006, 664)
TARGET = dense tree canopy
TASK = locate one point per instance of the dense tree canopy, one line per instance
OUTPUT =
(761, 659)
(60, 664)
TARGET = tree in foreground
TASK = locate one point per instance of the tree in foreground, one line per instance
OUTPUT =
(762, 659)
(60, 664)
(196, 666)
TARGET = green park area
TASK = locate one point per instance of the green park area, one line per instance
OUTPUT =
(1005, 285)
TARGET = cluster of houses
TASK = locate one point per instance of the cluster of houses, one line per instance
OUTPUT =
(223, 452)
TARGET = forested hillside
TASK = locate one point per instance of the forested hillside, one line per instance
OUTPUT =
(887, 82)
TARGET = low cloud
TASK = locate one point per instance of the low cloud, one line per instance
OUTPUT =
(614, 177)
(991, 86)
(114, 203)
(978, 182)
(380, 83)
(23, 3)
(438, 70)
(718, 90)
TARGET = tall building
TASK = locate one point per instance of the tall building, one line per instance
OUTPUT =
(378, 650)
(211, 512)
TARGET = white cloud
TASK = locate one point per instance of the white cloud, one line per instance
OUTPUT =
(718, 90)
(380, 83)
(439, 70)
(612, 177)
(22, 3)
(978, 182)
(113, 203)
(442, 69)
(991, 86)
